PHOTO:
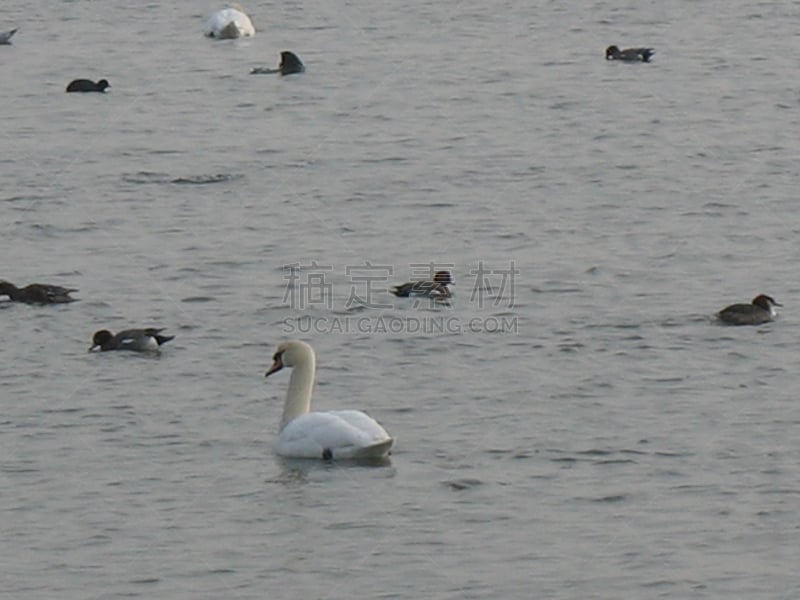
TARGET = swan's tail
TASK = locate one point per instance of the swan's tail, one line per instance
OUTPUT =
(379, 450)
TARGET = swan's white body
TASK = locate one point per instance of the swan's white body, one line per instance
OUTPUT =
(334, 435)
(229, 23)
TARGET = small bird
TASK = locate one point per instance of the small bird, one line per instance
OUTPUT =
(438, 288)
(290, 64)
(87, 85)
(37, 293)
(760, 310)
(139, 340)
(629, 54)
(5, 36)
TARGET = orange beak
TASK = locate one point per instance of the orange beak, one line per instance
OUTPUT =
(276, 366)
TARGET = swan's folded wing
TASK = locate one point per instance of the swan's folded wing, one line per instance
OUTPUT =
(363, 422)
(341, 433)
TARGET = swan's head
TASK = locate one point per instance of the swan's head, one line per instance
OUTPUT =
(290, 354)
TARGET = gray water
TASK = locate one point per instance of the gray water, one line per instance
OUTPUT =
(574, 425)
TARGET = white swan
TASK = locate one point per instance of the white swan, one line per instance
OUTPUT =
(339, 434)
(229, 23)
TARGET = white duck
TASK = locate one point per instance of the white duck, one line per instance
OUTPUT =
(229, 23)
(333, 435)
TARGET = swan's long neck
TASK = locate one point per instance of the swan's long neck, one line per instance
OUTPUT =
(301, 384)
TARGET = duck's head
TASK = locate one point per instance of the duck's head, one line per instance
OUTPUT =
(100, 338)
(765, 302)
(443, 277)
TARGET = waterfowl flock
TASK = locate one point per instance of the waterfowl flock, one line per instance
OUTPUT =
(229, 23)
(331, 435)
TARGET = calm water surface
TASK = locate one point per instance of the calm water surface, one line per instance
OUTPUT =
(579, 428)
